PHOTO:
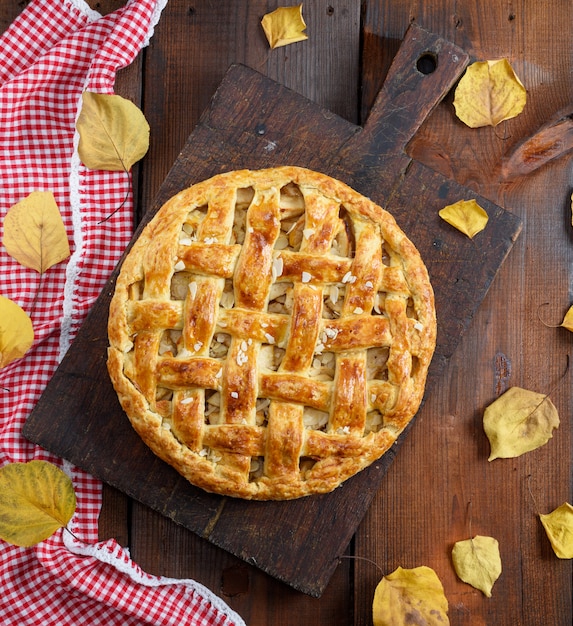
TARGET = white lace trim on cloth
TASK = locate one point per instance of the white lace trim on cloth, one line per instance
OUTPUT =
(73, 267)
(83, 7)
(111, 553)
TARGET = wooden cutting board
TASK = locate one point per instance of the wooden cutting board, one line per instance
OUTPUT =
(254, 122)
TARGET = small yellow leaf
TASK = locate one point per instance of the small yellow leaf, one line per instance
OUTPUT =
(568, 320)
(16, 331)
(36, 498)
(488, 93)
(114, 133)
(466, 215)
(34, 233)
(284, 26)
(410, 596)
(519, 421)
(559, 528)
(477, 562)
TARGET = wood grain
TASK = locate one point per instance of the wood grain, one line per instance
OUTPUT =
(423, 504)
(505, 346)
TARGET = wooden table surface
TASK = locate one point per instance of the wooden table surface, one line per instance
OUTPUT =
(441, 487)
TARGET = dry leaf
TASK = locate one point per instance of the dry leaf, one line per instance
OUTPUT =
(488, 93)
(16, 331)
(34, 233)
(36, 499)
(477, 562)
(467, 216)
(410, 596)
(114, 133)
(283, 26)
(519, 421)
(568, 320)
(559, 528)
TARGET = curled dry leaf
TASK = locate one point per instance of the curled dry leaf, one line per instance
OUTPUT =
(559, 528)
(477, 562)
(410, 596)
(488, 93)
(16, 331)
(284, 26)
(34, 233)
(114, 133)
(466, 215)
(36, 498)
(519, 421)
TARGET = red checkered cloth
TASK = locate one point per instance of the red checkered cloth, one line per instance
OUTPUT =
(51, 53)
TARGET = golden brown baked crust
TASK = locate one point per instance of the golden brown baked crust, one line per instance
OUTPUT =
(270, 333)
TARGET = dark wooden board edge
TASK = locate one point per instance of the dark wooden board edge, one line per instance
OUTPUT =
(311, 560)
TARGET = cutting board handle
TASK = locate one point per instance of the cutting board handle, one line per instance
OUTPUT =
(424, 69)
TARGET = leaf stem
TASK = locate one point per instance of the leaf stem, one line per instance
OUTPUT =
(543, 322)
(75, 536)
(528, 478)
(470, 519)
(129, 190)
(37, 294)
(361, 558)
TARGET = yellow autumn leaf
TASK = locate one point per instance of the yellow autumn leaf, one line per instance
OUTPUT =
(488, 93)
(477, 562)
(465, 215)
(36, 498)
(34, 233)
(114, 133)
(559, 528)
(16, 331)
(519, 421)
(568, 320)
(284, 26)
(410, 596)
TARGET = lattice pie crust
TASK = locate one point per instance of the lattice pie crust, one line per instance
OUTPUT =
(270, 333)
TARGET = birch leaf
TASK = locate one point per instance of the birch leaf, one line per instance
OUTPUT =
(559, 528)
(284, 26)
(114, 133)
(34, 233)
(488, 93)
(477, 562)
(16, 331)
(410, 596)
(466, 215)
(519, 421)
(36, 498)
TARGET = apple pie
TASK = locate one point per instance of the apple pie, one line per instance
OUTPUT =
(270, 333)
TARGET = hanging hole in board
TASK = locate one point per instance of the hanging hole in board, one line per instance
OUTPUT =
(427, 63)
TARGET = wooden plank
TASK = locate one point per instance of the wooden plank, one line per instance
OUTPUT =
(418, 510)
(441, 487)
